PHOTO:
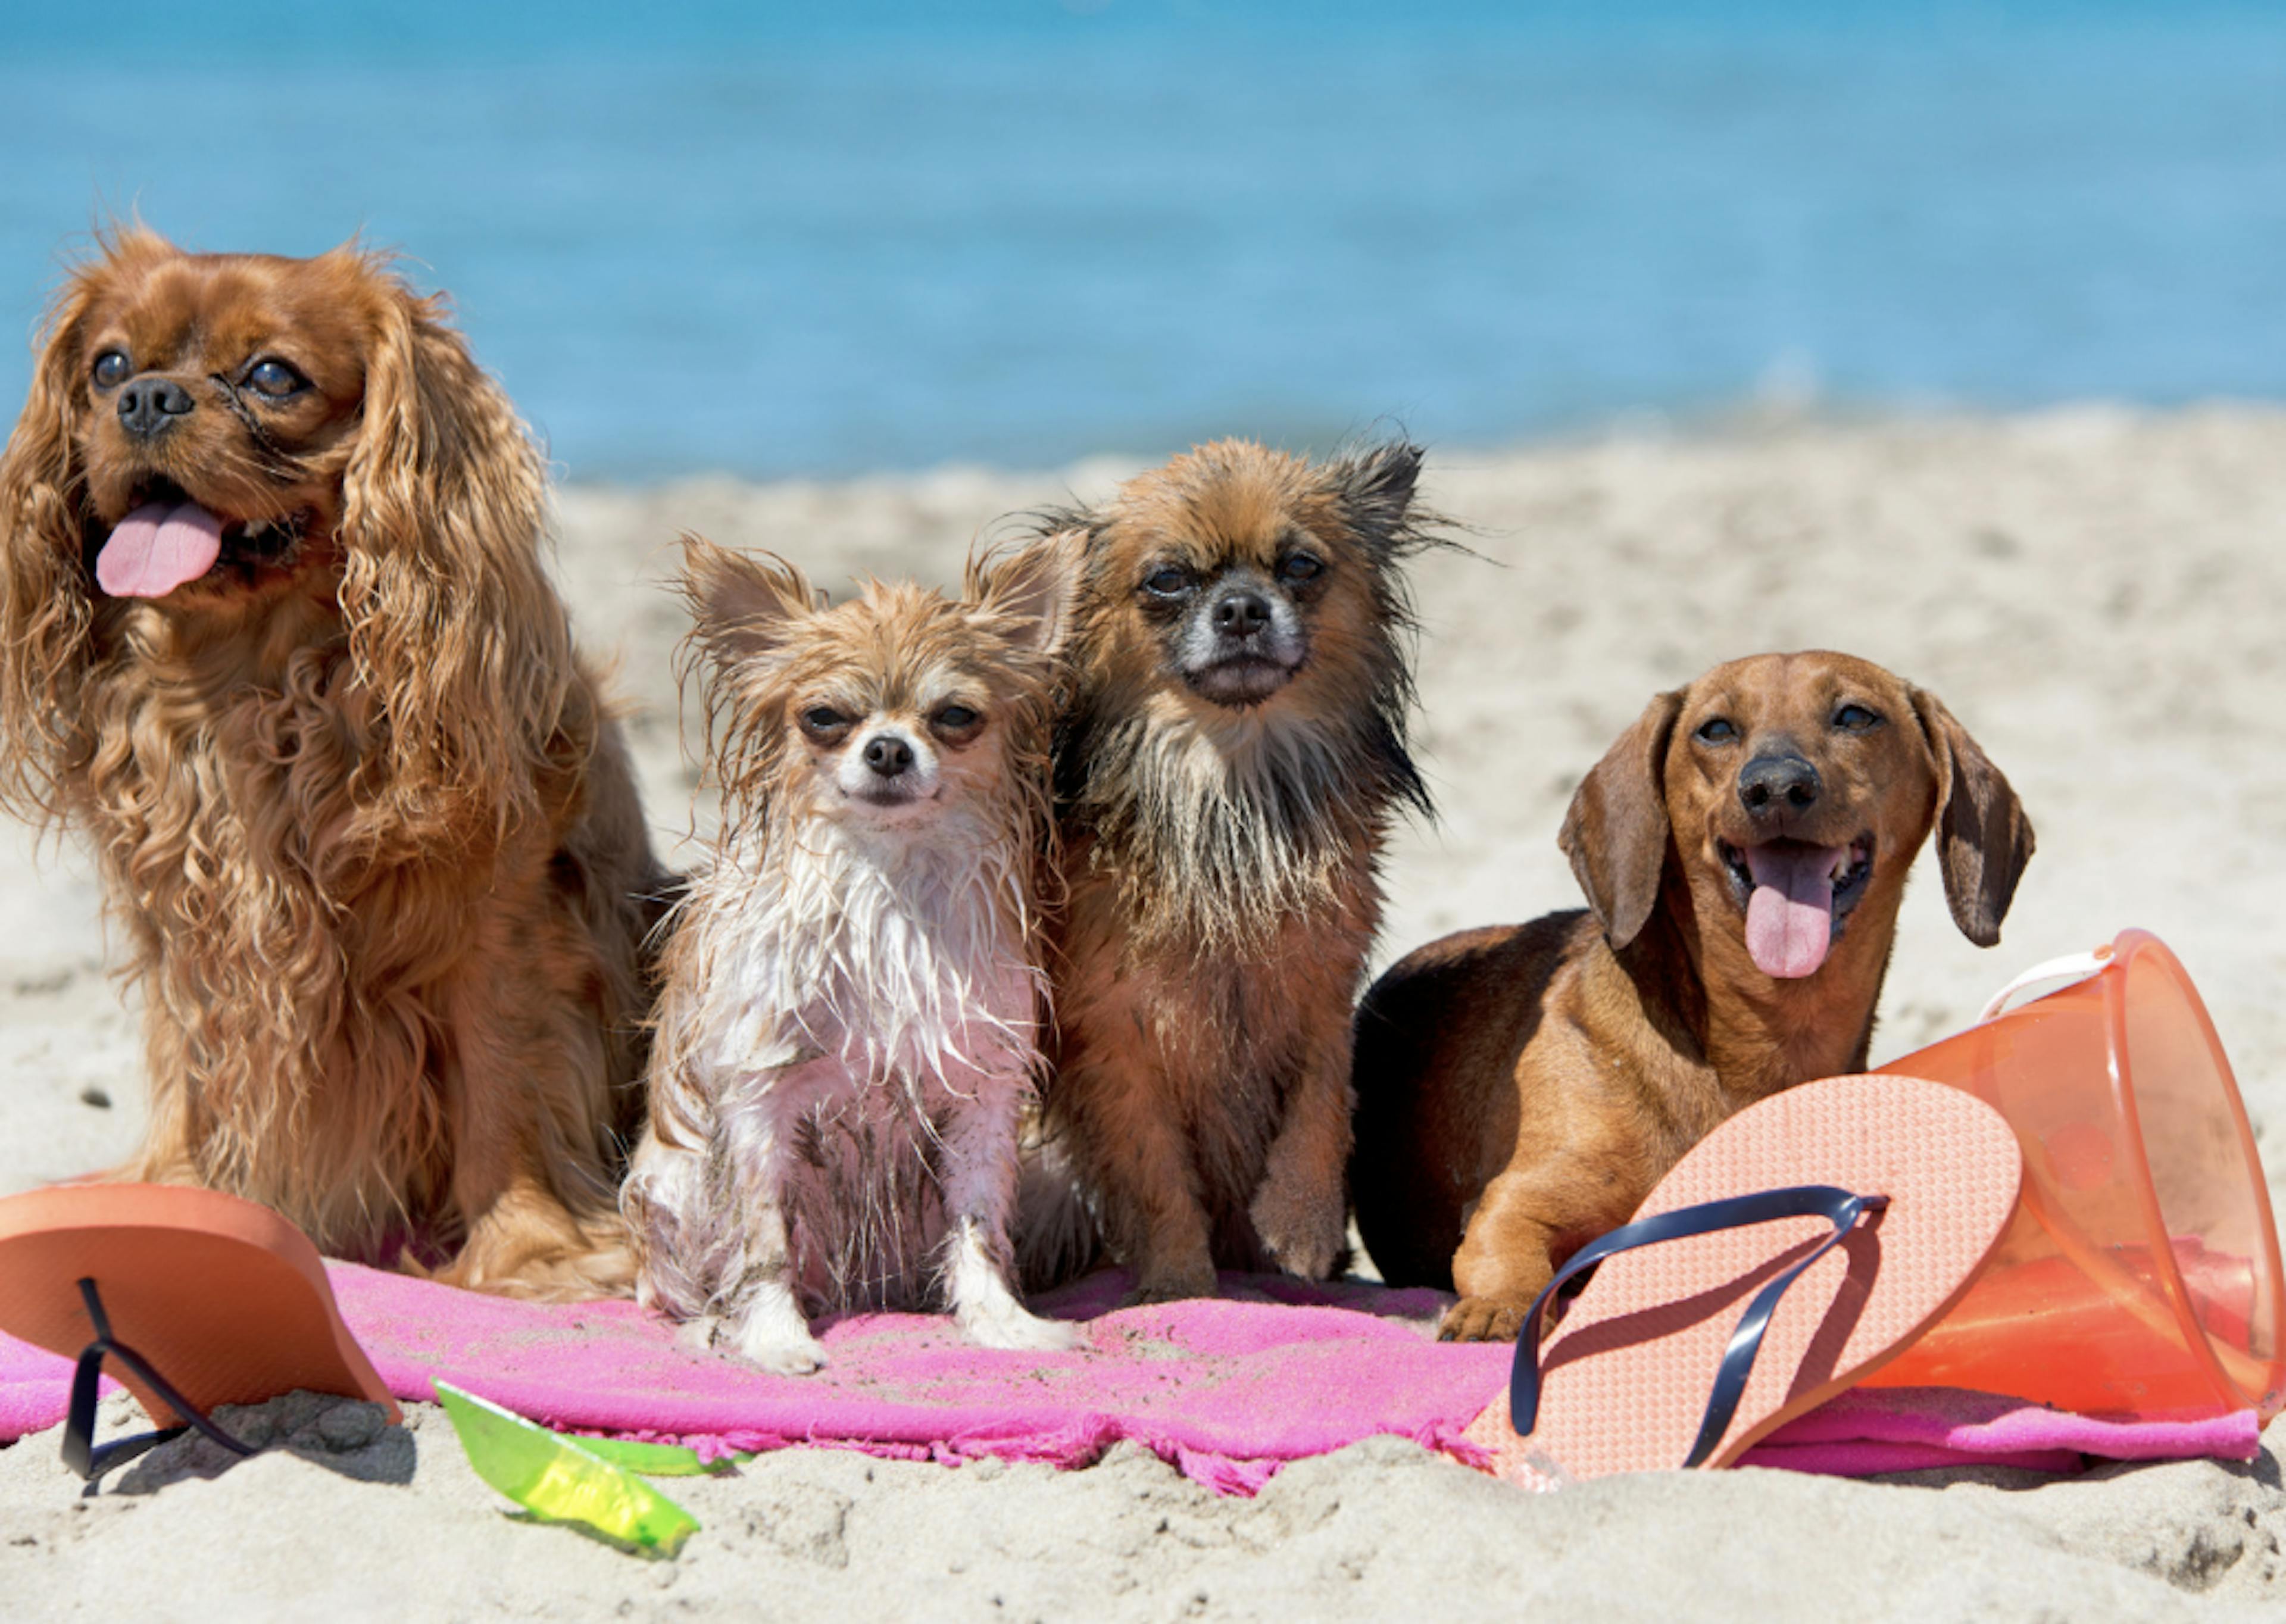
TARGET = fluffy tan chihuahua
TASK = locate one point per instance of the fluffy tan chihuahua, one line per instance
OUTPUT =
(848, 1037)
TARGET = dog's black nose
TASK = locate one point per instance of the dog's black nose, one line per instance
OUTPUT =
(1242, 614)
(1771, 784)
(149, 405)
(887, 755)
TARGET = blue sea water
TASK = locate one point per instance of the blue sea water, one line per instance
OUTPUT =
(820, 240)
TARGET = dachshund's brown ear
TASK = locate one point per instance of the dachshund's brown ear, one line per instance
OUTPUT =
(1031, 587)
(453, 627)
(45, 595)
(742, 605)
(1616, 831)
(1983, 840)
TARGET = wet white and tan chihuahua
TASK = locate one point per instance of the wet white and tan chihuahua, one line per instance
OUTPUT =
(849, 1033)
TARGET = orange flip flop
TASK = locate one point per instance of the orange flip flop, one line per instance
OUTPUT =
(196, 1297)
(1798, 1248)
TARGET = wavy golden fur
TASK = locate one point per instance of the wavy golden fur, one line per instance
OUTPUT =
(364, 815)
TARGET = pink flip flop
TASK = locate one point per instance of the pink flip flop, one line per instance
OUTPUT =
(193, 1298)
(1798, 1248)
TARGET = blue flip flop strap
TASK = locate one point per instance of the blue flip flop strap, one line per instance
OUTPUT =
(80, 1452)
(1840, 1207)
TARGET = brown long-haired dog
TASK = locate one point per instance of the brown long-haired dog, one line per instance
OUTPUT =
(1233, 751)
(1743, 847)
(275, 635)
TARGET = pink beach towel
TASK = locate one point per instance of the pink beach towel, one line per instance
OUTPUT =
(1228, 1389)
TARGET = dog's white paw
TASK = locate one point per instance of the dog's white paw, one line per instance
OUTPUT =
(802, 1358)
(1010, 1326)
(773, 1336)
(989, 1310)
(783, 1355)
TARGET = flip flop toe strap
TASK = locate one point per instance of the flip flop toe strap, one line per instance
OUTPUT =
(80, 1452)
(1841, 1208)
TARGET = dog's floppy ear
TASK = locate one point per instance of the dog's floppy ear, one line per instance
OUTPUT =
(453, 626)
(1375, 486)
(1983, 840)
(1616, 831)
(1031, 587)
(742, 605)
(44, 607)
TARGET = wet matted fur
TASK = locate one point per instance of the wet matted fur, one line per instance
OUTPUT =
(848, 1039)
(363, 815)
(1230, 761)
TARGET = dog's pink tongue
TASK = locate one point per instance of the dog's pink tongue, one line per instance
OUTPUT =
(156, 549)
(1790, 917)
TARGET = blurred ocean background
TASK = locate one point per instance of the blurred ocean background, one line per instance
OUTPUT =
(834, 238)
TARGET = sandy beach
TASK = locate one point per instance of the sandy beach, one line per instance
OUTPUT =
(2097, 592)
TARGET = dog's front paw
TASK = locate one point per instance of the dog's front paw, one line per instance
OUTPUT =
(1304, 1230)
(1483, 1319)
(774, 1336)
(1013, 1329)
(990, 1316)
(799, 1355)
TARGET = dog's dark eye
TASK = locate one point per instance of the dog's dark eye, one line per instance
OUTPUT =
(1301, 566)
(1855, 718)
(1716, 730)
(823, 721)
(112, 369)
(957, 718)
(1169, 581)
(277, 380)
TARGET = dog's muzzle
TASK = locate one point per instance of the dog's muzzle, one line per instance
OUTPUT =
(1242, 644)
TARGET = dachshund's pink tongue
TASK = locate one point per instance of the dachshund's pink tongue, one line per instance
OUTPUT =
(156, 549)
(1790, 917)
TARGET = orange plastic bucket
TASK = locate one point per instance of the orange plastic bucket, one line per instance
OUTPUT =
(2140, 1275)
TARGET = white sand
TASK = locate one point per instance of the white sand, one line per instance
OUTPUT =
(2098, 594)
